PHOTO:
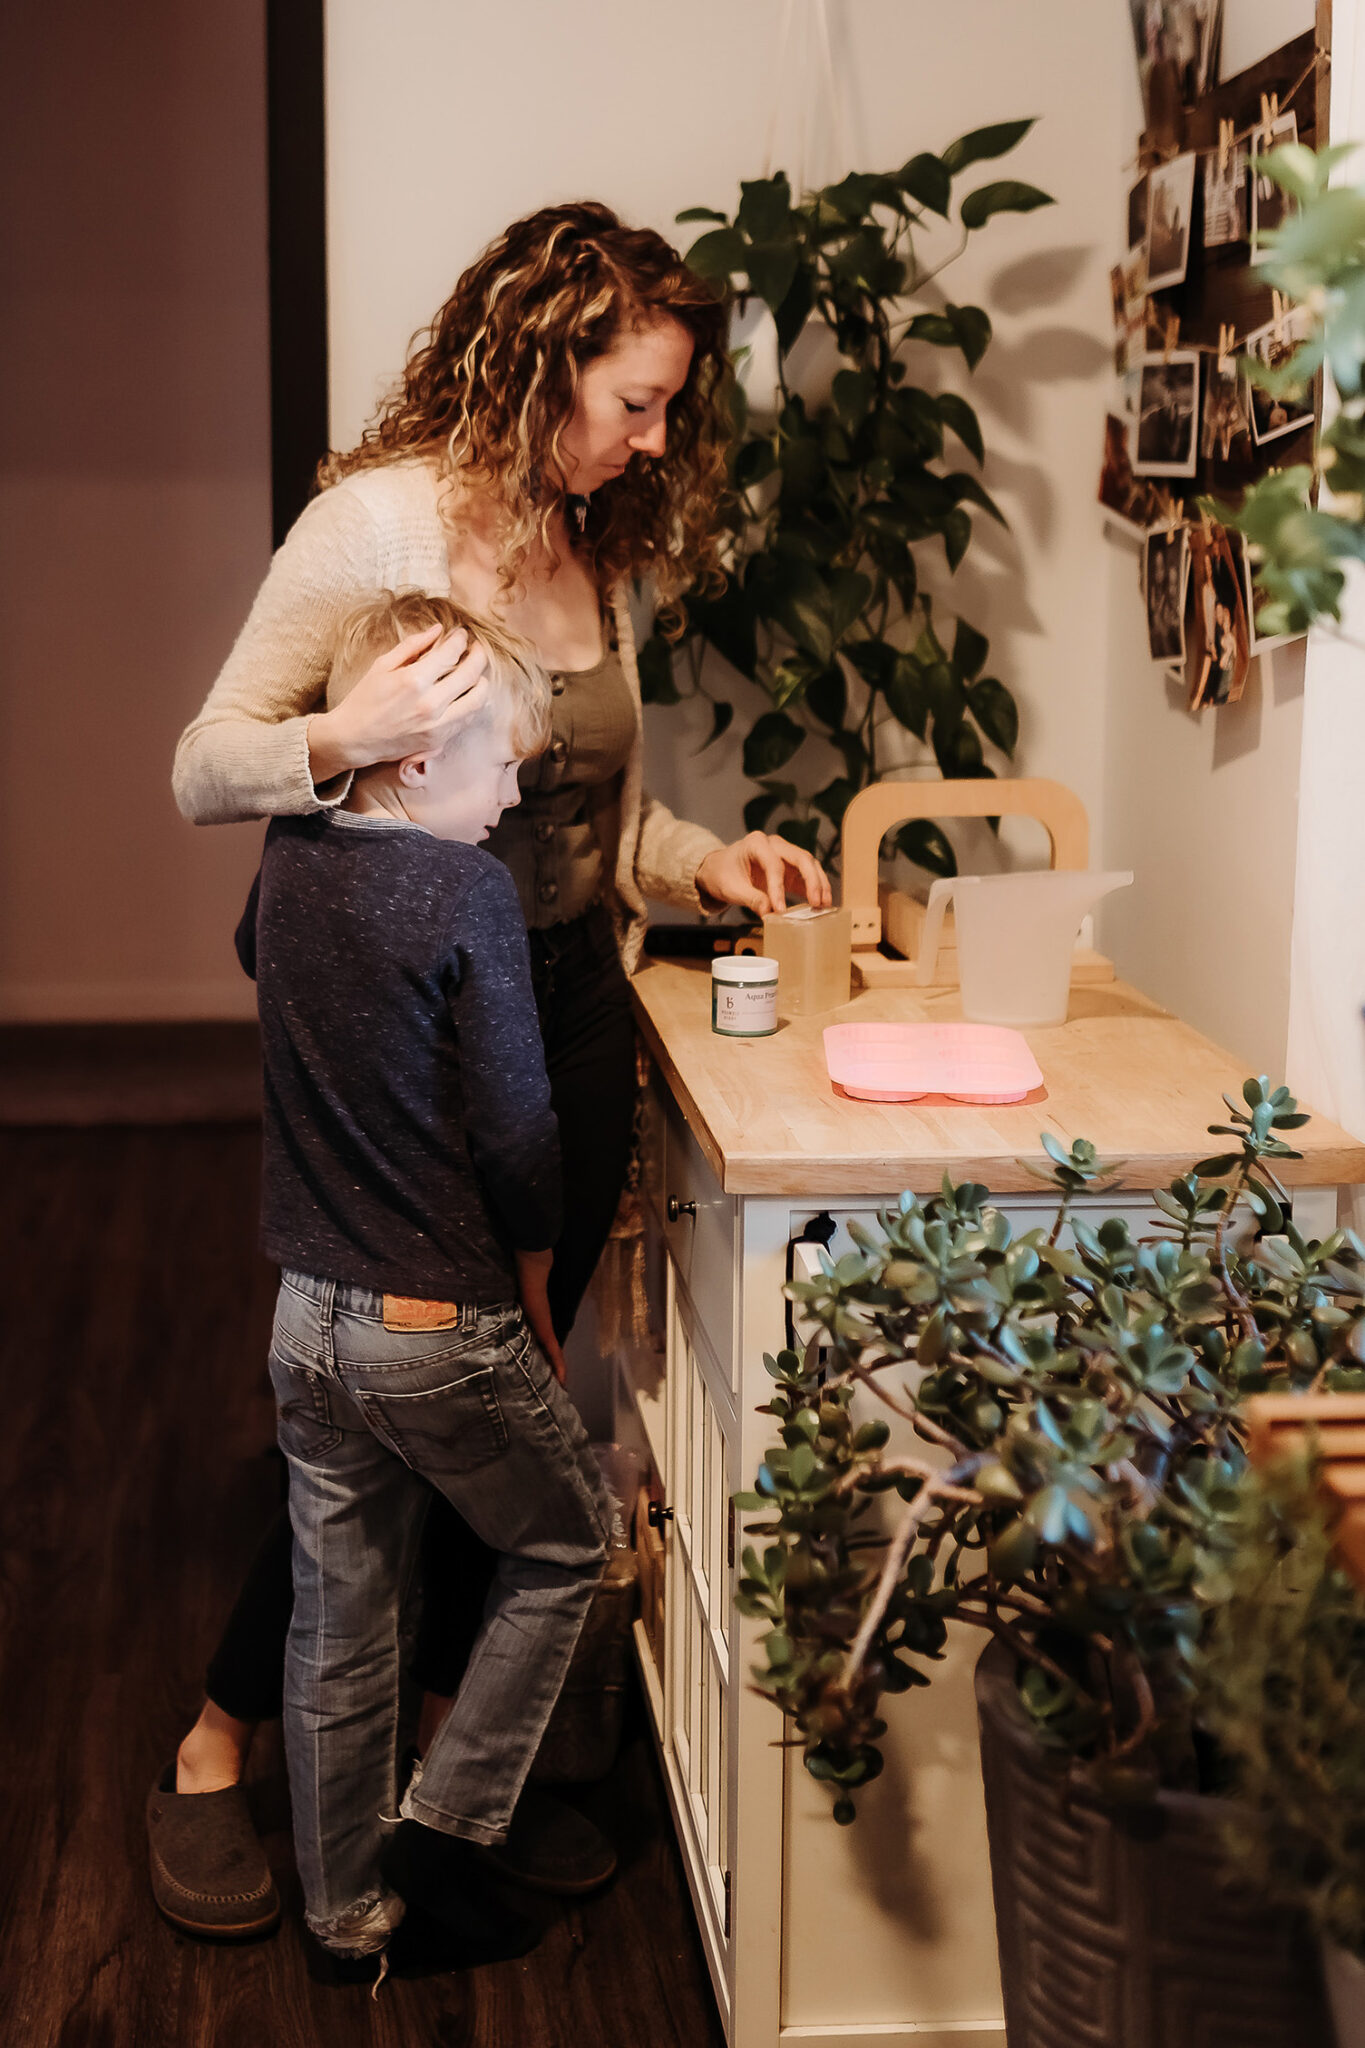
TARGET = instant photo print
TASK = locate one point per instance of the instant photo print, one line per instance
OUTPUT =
(1170, 203)
(1168, 415)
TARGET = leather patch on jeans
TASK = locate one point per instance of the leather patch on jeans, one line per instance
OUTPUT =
(402, 1312)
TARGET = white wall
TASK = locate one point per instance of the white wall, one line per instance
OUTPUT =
(630, 102)
(1326, 1062)
(134, 491)
(1205, 811)
(1204, 808)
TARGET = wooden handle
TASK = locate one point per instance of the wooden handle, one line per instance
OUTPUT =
(877, 810)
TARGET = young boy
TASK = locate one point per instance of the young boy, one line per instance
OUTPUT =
(410, 1196)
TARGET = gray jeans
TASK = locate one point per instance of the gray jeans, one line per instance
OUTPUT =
(365, 1415)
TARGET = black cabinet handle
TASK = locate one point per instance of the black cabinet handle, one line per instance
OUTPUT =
(677, 1208)
(657, 1514)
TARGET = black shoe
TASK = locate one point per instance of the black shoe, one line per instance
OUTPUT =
(325, 1966)
(425, 1946)
(551, 1847)
(452, 1908)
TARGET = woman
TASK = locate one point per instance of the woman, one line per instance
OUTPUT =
(560, 430)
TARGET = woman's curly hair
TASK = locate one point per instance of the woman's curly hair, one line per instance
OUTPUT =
(490, 386)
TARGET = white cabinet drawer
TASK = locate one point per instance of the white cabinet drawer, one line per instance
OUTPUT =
(699, 1226)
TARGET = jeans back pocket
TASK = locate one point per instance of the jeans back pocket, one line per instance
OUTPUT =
(307, 1429)
(454, 1429)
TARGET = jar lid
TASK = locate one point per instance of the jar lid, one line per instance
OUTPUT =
(743, 967)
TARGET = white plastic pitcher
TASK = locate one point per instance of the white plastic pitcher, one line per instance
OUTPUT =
(1015, 938)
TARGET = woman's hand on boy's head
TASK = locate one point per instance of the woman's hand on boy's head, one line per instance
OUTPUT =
(408, 702)
(760, 871)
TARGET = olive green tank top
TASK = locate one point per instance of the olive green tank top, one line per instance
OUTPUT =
(548, 841)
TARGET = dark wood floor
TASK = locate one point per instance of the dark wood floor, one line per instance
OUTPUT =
(135, 1421)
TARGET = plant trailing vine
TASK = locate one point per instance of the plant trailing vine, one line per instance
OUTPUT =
(822, 604)
(1067, 1454)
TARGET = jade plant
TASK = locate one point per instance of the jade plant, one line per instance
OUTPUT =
(1066, 1452)
(834, 499)
(1281, 1679)
(1316, 259)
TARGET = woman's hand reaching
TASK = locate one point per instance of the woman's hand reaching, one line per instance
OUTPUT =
(757, 872)
(408, 701)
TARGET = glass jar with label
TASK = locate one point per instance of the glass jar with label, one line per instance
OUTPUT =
(743, 996)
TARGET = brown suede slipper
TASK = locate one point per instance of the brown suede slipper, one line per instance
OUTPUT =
(209, 1873)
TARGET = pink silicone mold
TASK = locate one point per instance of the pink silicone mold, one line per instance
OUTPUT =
(901, 1062)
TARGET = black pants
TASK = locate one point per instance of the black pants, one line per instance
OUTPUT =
(584, 1003)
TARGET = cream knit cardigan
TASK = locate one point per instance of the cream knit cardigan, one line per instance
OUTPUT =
(246, 754)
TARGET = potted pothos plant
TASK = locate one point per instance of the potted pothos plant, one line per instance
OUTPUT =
(1054, 1417)
(835, 497)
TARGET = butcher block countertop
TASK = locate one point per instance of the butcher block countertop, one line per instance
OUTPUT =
(1142, 1086)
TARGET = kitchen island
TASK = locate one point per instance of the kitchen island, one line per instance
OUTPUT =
(882, 1932)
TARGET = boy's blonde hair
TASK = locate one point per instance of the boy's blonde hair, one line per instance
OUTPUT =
(519, 685)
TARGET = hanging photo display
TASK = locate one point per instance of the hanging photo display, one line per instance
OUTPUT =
(1192, 327)
(1272, 417)
(1217, 640)
(1180, 37)
(1226, 412)
(1269, 202)
(1128, 497)
(1225, 197)
(1165, 559)
(1168, 415)
(1170, 203)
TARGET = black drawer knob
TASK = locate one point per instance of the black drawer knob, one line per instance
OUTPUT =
(677, 1208)
(657, 1514)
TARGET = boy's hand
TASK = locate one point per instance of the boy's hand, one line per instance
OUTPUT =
(533, 1272)
(408, 702)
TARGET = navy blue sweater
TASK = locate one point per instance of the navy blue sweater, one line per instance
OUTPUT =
(409, 1141)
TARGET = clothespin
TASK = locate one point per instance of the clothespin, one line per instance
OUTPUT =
(1205, 523)
(1281, 307)
(1227, 338)
(1226, 133)
(1172, 516)
(1270, 114)
(1172, 335)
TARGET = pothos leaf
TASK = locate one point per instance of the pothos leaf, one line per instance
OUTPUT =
(1008, 195)
(771, 742)
(957, 414)
(996, 712)
(922, 842)
(982, 143)
(655, 663)
(722, 717)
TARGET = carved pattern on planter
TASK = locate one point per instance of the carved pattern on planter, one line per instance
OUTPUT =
(1124, 1934)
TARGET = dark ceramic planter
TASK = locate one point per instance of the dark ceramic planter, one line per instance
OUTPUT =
(1122, 1932)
